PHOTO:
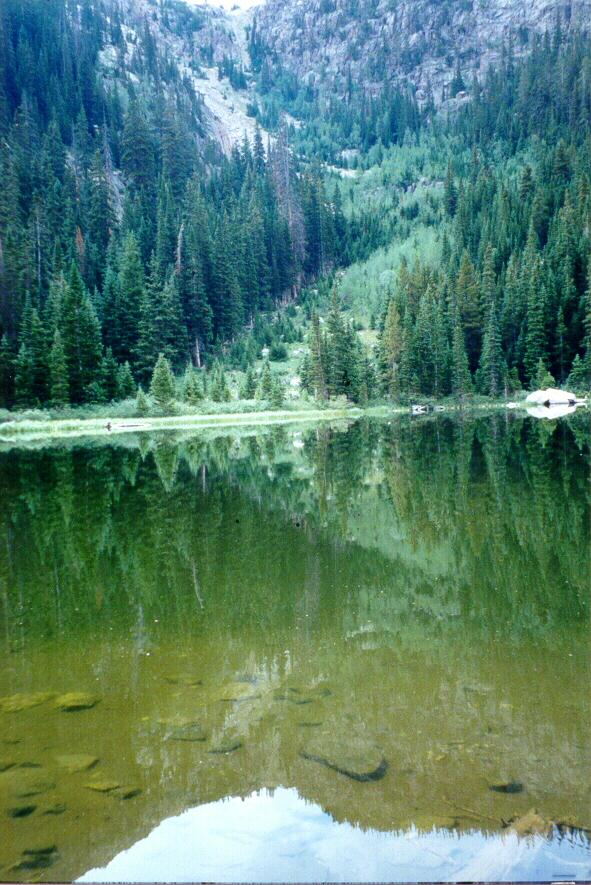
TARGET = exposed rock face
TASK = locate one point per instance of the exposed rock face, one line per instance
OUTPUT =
(197, 37)
(418, 41)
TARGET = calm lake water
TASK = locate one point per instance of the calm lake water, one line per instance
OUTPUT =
(341, 654)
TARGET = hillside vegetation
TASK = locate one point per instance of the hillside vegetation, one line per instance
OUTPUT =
(375, 247)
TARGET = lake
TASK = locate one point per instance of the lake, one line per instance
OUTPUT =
(340, 653)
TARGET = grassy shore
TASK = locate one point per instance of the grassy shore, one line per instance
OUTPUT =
(104, 426)
(25, 427)
(122, 419)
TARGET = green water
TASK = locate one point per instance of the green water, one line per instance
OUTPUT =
(391, 618)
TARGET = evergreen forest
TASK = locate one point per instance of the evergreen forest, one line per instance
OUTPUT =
(140, 262)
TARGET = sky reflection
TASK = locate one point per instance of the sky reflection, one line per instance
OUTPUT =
(278, 836)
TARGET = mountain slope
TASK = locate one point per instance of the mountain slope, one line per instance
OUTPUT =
(327, 44)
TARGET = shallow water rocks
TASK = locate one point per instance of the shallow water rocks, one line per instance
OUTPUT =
(302, 696)
(74, 762)
(74, 701)
(16, 703)
(104, 786)
(33, 788)
(354, 757)
(507, 787)
(188, 731)
(187, 680)
(532, 824)
(126, 792)
(37, 858)
(56, 808)
(225, 747)
(21, 810)
(237, 691)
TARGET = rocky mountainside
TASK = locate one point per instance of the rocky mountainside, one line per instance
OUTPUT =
(204, 43)
(436, 45)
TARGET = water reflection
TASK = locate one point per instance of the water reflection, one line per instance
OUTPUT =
(247, 614)
(279, 837)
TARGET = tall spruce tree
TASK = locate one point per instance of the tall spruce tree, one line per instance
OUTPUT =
(461, 383)
(162, 386)
(59, 388)
(492, 369)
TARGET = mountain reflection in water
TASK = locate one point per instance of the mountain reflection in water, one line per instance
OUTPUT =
(278, 836)
(390, 621)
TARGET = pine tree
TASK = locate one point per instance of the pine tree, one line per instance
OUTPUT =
(162, 386)
(192, 387)
(586, 311)
(535, 336)
(468, 300)
(317, 360)
(24, 383)
(492, 369)
(450, 194)
(488, 284)
(6, 373)
(579, 379)
(129, 294)
(277, 396)
(543, 378)
(248, 389)
(109, 376)
(125, 382)
(218, 390)
(162, 329)
(342, 353)
(81, 338)
(59, 388)
(461, 380)
(142, 406)
(266, 382)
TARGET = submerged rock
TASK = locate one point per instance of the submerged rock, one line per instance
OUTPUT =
(73, 701)
(56, 808)
(126, 792)
(33, 788)
(507, 787)
(225, 747)
(74, 762)
(186, 679)
(37, 858)
(40, 849)
(16, 703)
(237, 691)
(531, 824)
(302, 696)
(298, 699)
(105, 786)
(190, 731)
(21, 810)
(356, 758)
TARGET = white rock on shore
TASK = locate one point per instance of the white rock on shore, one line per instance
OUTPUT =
(551, 397)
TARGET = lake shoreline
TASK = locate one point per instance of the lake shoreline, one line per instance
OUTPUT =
(56, 428)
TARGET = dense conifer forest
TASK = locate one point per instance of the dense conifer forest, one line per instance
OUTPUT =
(132, 250)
